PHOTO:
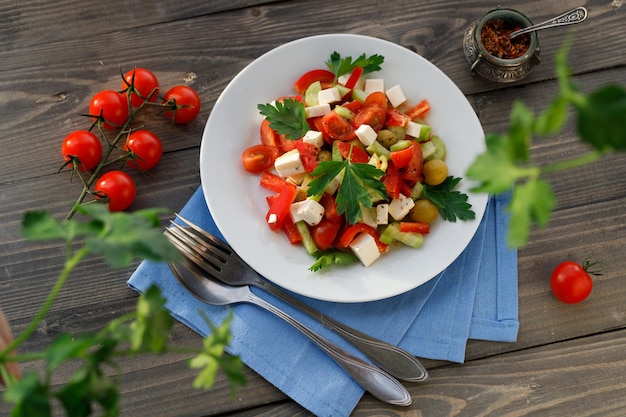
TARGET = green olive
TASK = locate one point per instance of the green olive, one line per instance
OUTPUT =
(435, 172)
(324, 155)
(386, 138)
(424, 211)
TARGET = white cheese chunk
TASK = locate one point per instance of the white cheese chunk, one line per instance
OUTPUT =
(329, 95)
(369, 216)
(366, 134)
(316, 111)
(400, 207)
(382, 214)
(365, 248)
(396, 95)
(289, 164)
(374, 84)
(314, 138)
(413, 129)
(272, 218)
(308, 210)
(333, 186)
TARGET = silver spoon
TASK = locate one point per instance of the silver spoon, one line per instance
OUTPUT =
(374, 380)
(576, 15)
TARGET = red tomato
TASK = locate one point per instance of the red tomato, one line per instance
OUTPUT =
(141, 84)
(85, 146)
(118, 187)
(354, 106)
(258, 158)
(330, 208)
(317, 125)
(268, 136)
(358, 155)
(370, 114)
(391, 181)
(111, 106)
(402, 157)
(378, 98)
(308, 155)
(412, 172)
(324, 233)
(337, 127)
(570, 282)
(395, 118)
(182, 104)
(146, 147)
(324, 76)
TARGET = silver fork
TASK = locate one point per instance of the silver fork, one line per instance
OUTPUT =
(220, 261)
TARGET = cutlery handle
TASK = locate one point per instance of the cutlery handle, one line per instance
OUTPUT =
(374, 380)
(392, 359)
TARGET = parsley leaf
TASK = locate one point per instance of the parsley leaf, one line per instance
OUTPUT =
(340, 66)
(360, 181)
(286, 118)
(326, 259)
(451, 204)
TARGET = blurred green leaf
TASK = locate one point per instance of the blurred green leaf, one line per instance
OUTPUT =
(602, 118)
(532, 201)
(151, 328)
(29, 396)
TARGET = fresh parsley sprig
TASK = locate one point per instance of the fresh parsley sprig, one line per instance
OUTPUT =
(326, 259)
(452, 204)
(340, 66)
(286, 117)
(360, 180)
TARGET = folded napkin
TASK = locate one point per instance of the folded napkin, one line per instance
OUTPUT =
(475, 297)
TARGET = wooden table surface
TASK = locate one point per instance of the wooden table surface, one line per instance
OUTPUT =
(568, 359)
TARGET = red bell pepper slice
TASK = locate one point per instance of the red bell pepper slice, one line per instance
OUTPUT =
(402, 157)
(358, 155)
(419, 110)
(280, 207)
(289, 227)
(273, 182)
(414, 227)
(354, 77)
(324, 76)
(395, 118)
(351, 231)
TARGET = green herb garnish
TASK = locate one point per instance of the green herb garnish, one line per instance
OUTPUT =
(286, 117)
(326, 259)
(360, 180)
(340, 66)
(451, 204)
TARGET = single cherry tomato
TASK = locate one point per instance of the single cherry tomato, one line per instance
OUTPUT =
(258, 158)
(182, 104)
(324, 233)
(357, 155)
(146, 148)
(85, 146)
(402, 157)
(112, 106)
(118, 187)
(141, 84)
(571, 282)
(370, 114)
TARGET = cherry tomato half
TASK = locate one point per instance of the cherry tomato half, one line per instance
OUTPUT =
(141, 84)
(182, 104)
(85, 146)
(570, 282)
(118, 187)
(258, 158)
(146, 147)
(112, 106)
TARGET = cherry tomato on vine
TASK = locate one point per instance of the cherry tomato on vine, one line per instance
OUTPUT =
(142, 81)
(571, 282)
(118, 187)
(182, 104)
(85, 146)
(112, 106)
(146, 147)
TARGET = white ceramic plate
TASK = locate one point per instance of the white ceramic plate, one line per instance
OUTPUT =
(238, 204)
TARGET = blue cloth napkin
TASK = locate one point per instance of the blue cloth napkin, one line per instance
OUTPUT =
(475, 297)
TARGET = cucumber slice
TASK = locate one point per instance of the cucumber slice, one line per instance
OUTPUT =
(440, 148)
(310, 95)
(307, 239)
(428, 150)
(392, 232)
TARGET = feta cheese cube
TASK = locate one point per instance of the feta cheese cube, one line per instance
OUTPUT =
(316, 111)
(413, 129)
(374, 84)
(400, 207)
(308, 210)
(289, 164)
(365, 248)
(366, 134)
(329, 95)
(314, 138)
(272, 218)
(396, 95)
(333, 186)
(382, 214)
(369, 216)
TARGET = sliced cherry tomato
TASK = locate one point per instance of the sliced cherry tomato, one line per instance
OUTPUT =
(141, 84)
(267, 134)
(570, 282)
(354, 77)
(279, 210)
(414, 227)
(118, 187)
(258, 158)
(330, 208)
(324, 76)
(272, 182)
(181, 104)
(358, 155)
(412, 172)
(378, 98)
(324, 233)
(85, 146)
(351, 231)
(391, 181)
(419, 110)
(370, 114)
(146, 148)
(317, 125)
(395, 118)
(308, 155)
(111, 106)
(354, 106)
(285, 144)
(402, 157)
(337, 127)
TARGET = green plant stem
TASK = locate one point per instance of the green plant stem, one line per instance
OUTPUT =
(571, 163)
(70, 264)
